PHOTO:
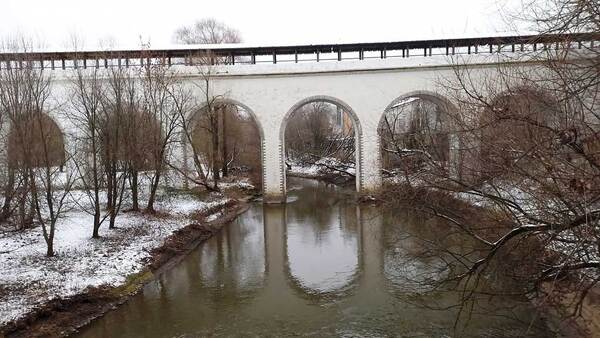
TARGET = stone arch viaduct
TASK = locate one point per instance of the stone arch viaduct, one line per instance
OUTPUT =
(272, 82)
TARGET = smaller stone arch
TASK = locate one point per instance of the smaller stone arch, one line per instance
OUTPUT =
(446, 109)
(35, 141)
(355, 124)
(234, 102)
(514, 122)
(194, 119)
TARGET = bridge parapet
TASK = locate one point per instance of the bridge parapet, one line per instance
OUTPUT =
(243, 55)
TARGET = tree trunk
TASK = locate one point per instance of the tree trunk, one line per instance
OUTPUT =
(95, 233)
(134, 190)
(50, 242)
(224, 151)
(109, 188)
(153, 188)
(215, 158)
(8, 195)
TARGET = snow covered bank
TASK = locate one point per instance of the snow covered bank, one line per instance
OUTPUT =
(28, 279)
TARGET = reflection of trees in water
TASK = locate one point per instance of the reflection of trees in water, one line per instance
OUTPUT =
(235, 260)
(424, 255)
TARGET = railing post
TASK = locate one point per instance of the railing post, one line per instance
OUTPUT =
(274, 57)
(295, 56)
(339, 54)
(318, 56)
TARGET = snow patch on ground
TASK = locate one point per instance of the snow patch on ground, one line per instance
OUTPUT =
(28, 278)
(320, 167)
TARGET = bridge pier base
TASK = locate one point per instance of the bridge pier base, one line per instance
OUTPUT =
(273, 166)
(369, 178)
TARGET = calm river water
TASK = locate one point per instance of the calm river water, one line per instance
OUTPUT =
(318, 266)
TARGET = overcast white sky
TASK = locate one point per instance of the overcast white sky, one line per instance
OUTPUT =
(261, 22)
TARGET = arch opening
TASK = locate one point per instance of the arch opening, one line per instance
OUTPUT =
(321, 139)
(516, 130)
(35, 141)
(224, 142)
(416, 137)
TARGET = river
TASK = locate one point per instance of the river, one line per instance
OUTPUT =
(321, 265)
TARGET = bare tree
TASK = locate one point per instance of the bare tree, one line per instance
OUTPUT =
(86, 115)
(321, 134)
(121, 148)
(207, 31)
(35, 143)
(158, 83)
(529, 153)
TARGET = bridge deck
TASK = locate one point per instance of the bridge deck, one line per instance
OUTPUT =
(232, 54)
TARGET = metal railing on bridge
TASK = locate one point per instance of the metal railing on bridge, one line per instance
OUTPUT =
(236, 55)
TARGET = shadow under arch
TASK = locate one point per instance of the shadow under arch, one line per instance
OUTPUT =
(55, 155)
(533, 94)
(193, 117)
(521, 118)
(447, 109)
(356, 125)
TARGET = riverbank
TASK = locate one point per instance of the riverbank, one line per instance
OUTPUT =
(56, 296)
(568, 314)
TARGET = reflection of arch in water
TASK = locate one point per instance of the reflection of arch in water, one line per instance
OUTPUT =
(36, 141)
(450, 144)
(255, 122)
(343, 288)
(356, 126)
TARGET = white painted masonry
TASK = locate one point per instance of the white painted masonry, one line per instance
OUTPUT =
(271, 92)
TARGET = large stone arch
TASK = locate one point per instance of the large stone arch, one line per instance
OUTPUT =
(356, 124)
(447, 108)
(255, 119)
